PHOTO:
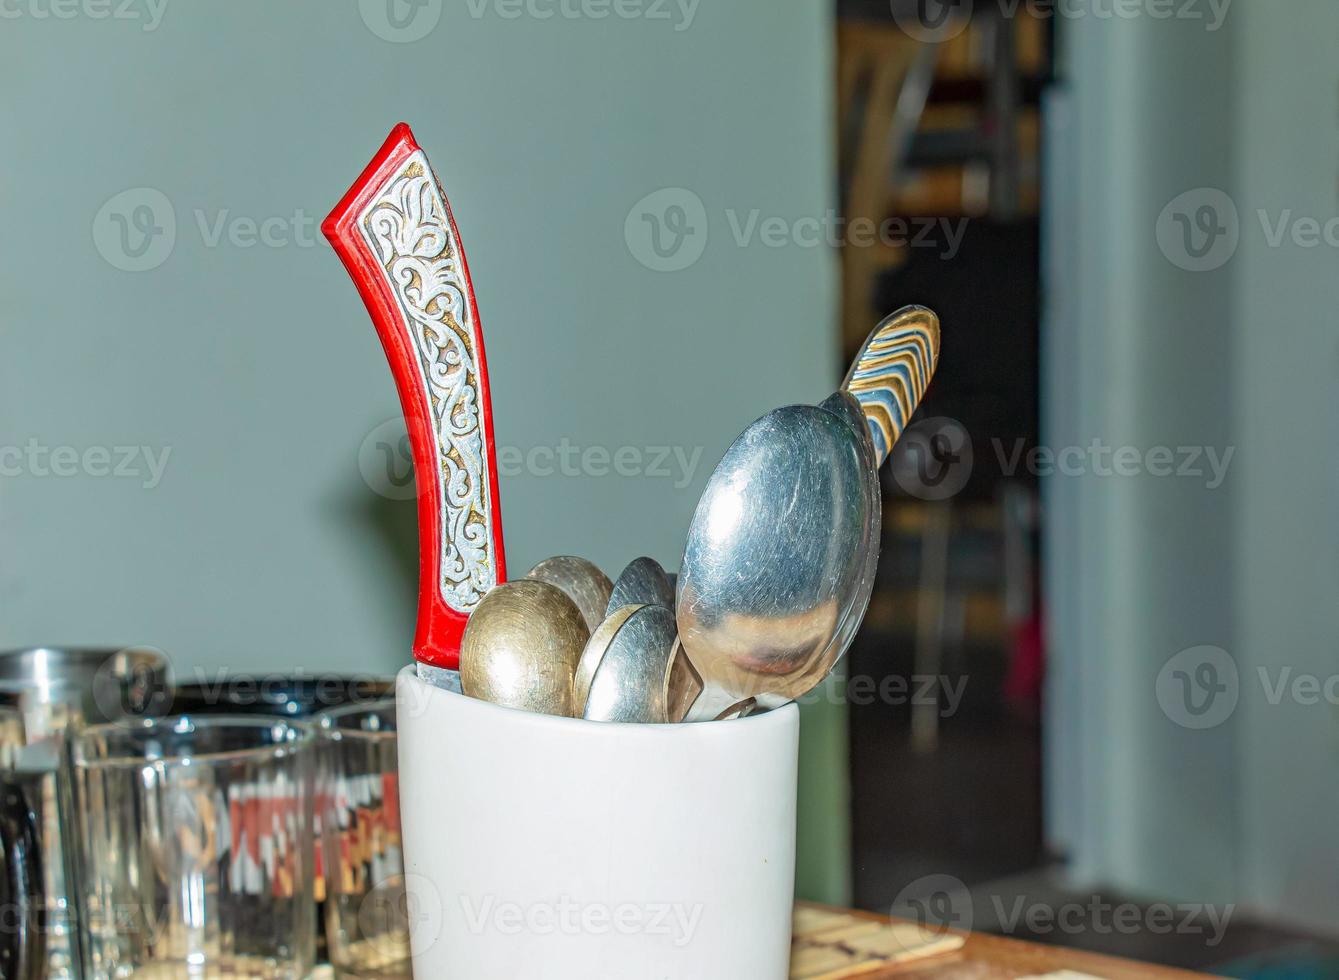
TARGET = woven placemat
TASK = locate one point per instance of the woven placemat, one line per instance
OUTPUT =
(828, 945)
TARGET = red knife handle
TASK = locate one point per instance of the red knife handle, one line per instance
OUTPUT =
(397, 238)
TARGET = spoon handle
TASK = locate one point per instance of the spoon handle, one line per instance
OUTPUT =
(396, 237)
(891, 372)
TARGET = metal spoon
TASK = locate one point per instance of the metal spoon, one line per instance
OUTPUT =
(742, 643)
(594, 652)
(521, 647)
(775, 557)
(890, 374)
(631, 680)
(643, 582)
(581, 580)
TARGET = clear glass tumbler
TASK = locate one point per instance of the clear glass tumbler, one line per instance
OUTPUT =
(197, 848)
(367, 921)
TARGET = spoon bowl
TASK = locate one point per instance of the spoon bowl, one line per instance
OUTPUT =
(521, 648)
(777, 557)
(582, 582)
(643, 582)
(632, 680)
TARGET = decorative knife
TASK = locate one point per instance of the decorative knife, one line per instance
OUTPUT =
(398, 240)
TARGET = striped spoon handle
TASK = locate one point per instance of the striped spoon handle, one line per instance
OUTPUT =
(891, 372)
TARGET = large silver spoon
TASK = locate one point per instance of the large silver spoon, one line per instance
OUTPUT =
(775, 556)
(632, 668)
(782, 550)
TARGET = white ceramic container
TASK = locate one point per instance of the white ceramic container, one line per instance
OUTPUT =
(553, 848)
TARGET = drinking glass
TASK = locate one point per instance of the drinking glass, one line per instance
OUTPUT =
(23, 938)
(197, 848)
(59, 691)
(367, 924)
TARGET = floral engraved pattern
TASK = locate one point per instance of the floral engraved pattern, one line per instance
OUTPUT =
(407, 229)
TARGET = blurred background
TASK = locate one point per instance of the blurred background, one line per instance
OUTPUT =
(1096, 698)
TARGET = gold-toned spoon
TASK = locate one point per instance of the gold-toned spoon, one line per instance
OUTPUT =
(521, 648)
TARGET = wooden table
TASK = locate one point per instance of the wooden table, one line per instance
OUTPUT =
(983, 957)
(986, 957)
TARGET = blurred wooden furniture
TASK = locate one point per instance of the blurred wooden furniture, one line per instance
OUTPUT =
(930, 128)
(877, 114)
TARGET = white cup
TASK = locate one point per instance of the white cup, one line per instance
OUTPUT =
(554, 848)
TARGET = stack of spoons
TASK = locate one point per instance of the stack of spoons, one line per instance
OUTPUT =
(776, 575)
